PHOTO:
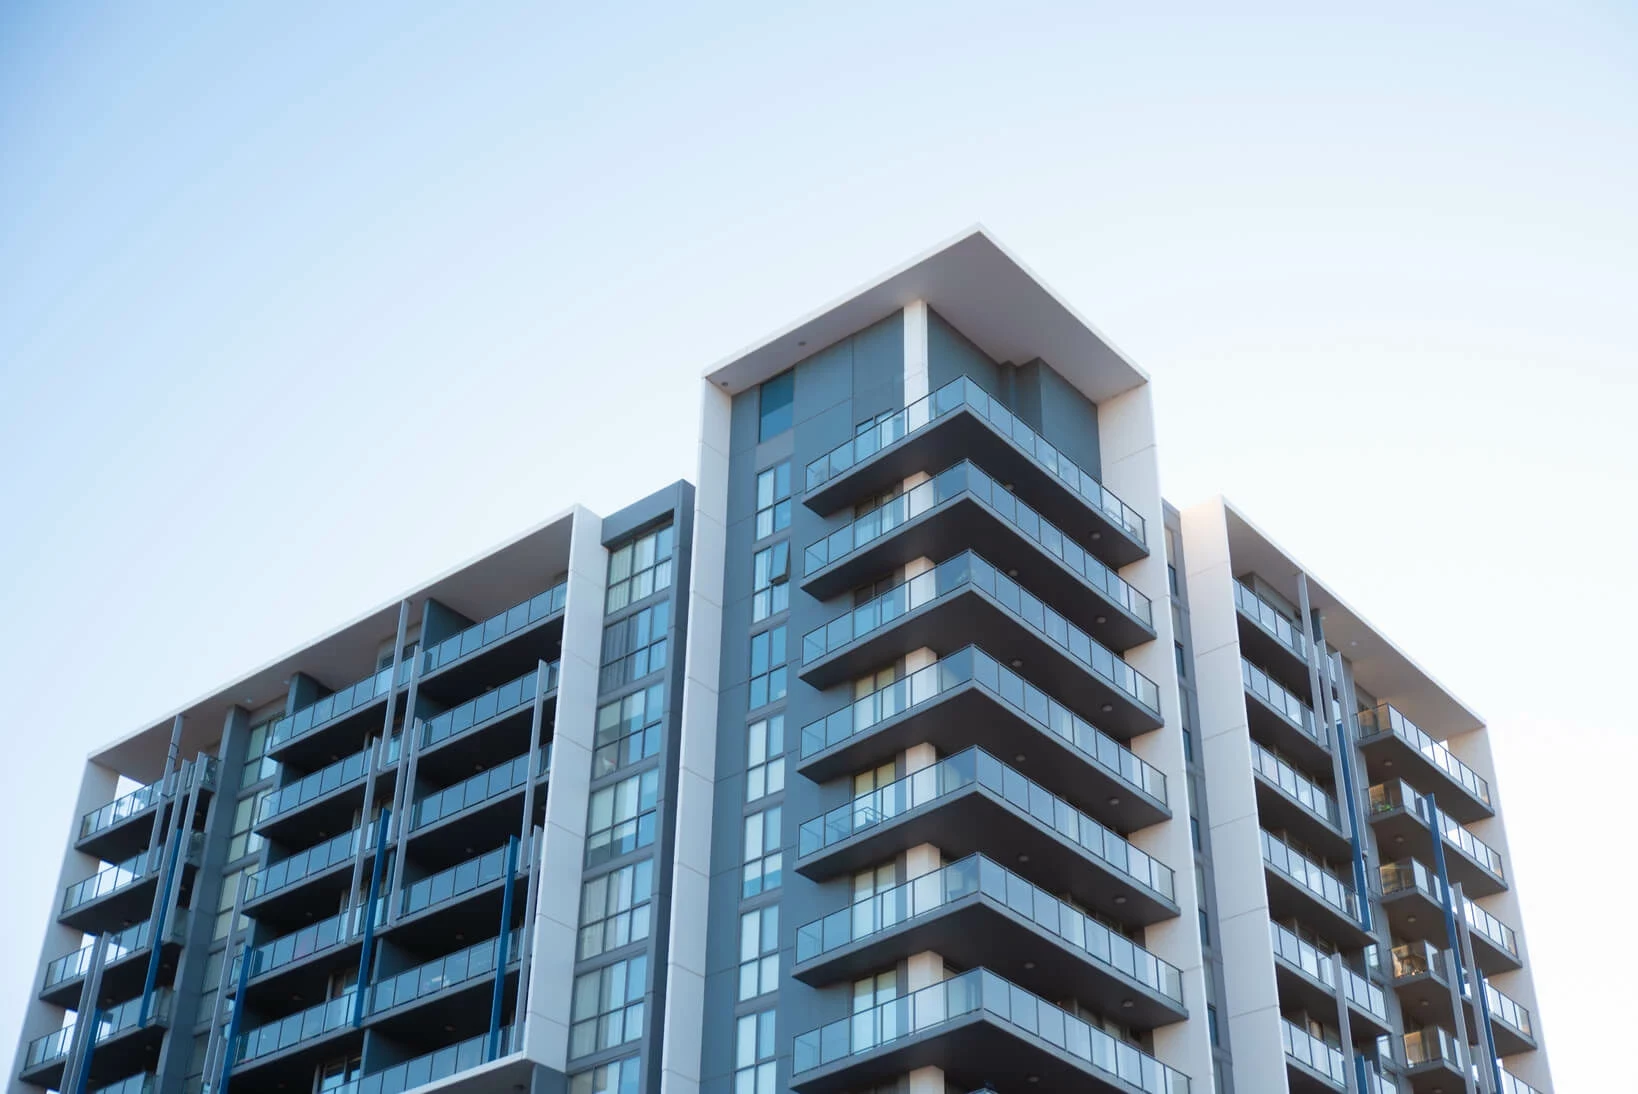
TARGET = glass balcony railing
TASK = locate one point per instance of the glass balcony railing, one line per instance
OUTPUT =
(980, 991)
(1378, 1083)
(304, 1025)
(1387, 797)
(430, 1068)
(458, 880)
(1493, 929)
(1512, 1084)
(313, 938)
(140, 1083)
(1296, 786)
(111, 879)
(321, 782)
(1309, 1050)
(962, 479)
(973, 875)
(304, 864)
(471, 963)
(482, 787)
(1255, 607)
(973, 665)
(1310, 875)
(1288, 706)
(1504, 1009)
(1318, 966)
(968, 570)
(129, 805)
(1431, 1045)
(491, 704)
(110, 1023)
(331, 707)
(1417, 959)
(495, 628)
(964, 393)
(972, 767)
(1385, 719)
(72, 966)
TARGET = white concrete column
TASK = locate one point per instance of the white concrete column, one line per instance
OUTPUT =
(683, 1030)
(915, 351)
(927, 1080)
(563, 851)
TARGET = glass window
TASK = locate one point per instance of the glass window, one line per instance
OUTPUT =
(243, 841)
(758, 952)
(607, 1007)
(635, 646)
(771, 590)
(339, 1072)
(640, 568)
(620, 1077)
(620, 818)
(628, 730)
(776, 401)
(764, 862)
(258, 765)
(773, 499)
(767, 667)
(614, 908)
(754, 1063)
(765, 757)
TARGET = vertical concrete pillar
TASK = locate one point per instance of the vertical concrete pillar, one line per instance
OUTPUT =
(915, 353)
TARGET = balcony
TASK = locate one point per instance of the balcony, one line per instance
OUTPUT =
(1509, 1023)
(303, 953)
(964, 599)
(1270, 638)
(1512, 1084)
(982, 1030)
(1284, 722)
(969, 698)
(1404, 826)
(971, 802)
(1421, 976)
(123, 827)
(280, 891)
(1433, 1061)
(962, 506)
(125, 968)
(326, 799)
(502, 646)
(445, 825)
(1299, 888)
(123, 893)
(960, 420)
(433, 1067)
(1495, 946)
(975, 912)
(1287, 799)
(1309, 977)
(140, 1083)
(124, 1043)
(1395, 748)
(1413, 899)
(486, 730)
(1310, 1063)
(344, 706)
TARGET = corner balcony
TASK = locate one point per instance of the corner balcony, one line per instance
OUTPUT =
(970, 803)
(1311, 1065)
(1302, 889)
(961, 420)
(983, 1031)
(965, 599)
(122, 894)
(1495, 945)
(975, 912)
(1289, 800)
(1284, 722)
(1270, 638)
(969, 698)
(122, 828)
(124, 1043)
(962, 506)
(1421, 975)
(1413, 899)
(1309, 977)
(1395, 748)
(1512, 1084)
(1433, 1061)
(125, 968)
(1404, 826)
(505, 645)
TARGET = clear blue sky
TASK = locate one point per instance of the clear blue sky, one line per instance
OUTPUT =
(298, 305)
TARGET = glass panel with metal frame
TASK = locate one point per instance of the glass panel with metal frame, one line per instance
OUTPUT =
(495, 628)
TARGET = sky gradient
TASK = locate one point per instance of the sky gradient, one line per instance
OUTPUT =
(302, 304)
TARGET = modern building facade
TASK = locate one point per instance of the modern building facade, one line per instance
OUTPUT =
(916, 746)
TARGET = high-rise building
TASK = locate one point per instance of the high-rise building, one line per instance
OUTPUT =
(917, 746)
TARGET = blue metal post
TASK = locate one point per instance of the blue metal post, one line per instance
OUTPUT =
(369, 916)
(156, 932)
(233, 1023)
(500, 950)
(1345, 752)
(90, 1047)
(1445, 897)
(1361, 1073)
(1482, 1005)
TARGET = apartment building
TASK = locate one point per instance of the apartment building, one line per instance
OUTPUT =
(916, 746)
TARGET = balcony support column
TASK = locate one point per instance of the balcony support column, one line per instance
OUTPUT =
(214, 1046)
(1342, 738)
(1338, 972)
(374, 749)
(233, 1025)
(403, 793)
(370, 901)
(85, 1024)
(917, 382)
(526, 938)
(927, 1080)
(172, 751)
(1490, 1075)
(537, 717)
(1458, 976)
(502, 958)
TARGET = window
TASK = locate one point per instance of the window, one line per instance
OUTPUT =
(244, 841)
(866, 809)
(614, 908)
(635, 646)
(224, 907)
(771, 591)
(640, 568)
(1205, 929)
(608, 1006)
(1182, 667)
(758, 952)
(754, 1064)
(767, 667)
(775, 401)
(620, 1077)
(764, 862)
(620, 818)
(1211, 1024)
(628, 729)
(339, 1072)
(764, 757)
(258, 765)
(773, 500)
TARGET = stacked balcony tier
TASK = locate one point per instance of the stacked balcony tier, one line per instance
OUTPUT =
(1309, 978)
(1395, 748)
(1405, 825)
(122, 828)
(1422, 974)
(125, 967)
(127, 1038)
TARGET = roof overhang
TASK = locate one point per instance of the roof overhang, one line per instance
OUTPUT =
(979, 287)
